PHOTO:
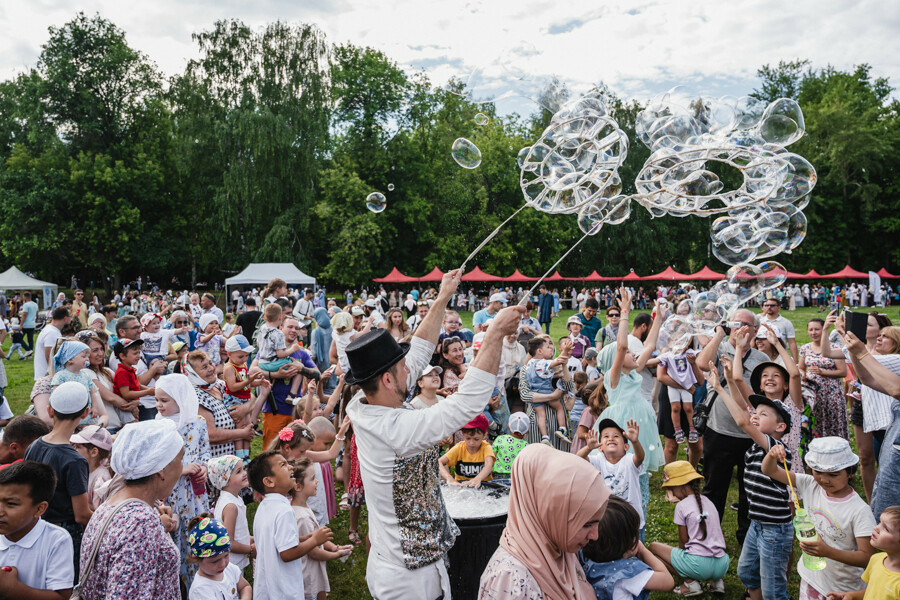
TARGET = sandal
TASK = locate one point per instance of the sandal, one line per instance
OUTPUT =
(345, 502)
(688, 590)
(354, 538)
(679, 436)
(693, 436)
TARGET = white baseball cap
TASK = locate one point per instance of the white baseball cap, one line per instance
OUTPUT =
(431, 369)
(238, 343)
(371, 303)
(499, 297)
(519, 423)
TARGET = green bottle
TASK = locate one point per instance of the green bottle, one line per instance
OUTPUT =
(806, 532)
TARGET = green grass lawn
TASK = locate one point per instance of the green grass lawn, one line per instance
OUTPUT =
(348, 579)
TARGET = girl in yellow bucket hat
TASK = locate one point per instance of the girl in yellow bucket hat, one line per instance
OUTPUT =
(700, 555)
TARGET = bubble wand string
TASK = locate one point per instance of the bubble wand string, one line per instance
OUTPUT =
(527, 297)
(490, 236)
(791, 487)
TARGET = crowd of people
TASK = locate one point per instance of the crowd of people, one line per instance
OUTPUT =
(131, 472)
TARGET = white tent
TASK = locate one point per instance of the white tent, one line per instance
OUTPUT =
(263, 273)
(14, 279)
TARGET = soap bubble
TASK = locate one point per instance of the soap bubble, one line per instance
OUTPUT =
(390, 187)
(482, 119)
(376, 202)
(772, 275)
(763, 216)
(465, 153)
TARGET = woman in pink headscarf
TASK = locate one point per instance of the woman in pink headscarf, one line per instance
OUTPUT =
(554, 507)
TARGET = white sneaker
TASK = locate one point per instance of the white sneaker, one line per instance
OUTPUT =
(562, 434)
(717, 586)
(546, 440)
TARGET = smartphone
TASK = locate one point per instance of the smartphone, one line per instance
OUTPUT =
(857, 323)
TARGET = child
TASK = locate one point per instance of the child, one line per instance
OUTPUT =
(34, 555)
(156, 340)
(767, 548)
(539, 374)
(883, 571)
(616, 564)
(323, 504)
(229, 328)
(17, 436)
(315, 575)
(125, 380)
(18, 339)
(580, 379)
(472, 459)
(700, 555)
(181, 351)
(94, 443)
(273, 350)
(69, 508)
(228, 475)
(69, 364)
(277, 571)
(507, 447)
(679, 366)
(589, 364)
(595, 405)
(238, 384)
(580, 343)
(622, 475)
(210, 338)
(216, 577)
(844, 522)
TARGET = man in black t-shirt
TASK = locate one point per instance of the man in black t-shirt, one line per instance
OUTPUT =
(247, 320)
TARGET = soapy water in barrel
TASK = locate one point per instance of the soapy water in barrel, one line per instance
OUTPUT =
(471, 503)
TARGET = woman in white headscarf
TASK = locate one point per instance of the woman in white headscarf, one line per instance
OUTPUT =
(176, 401)
(136, 557)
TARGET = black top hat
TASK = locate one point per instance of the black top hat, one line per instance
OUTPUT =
(372, 354)
(780, 408)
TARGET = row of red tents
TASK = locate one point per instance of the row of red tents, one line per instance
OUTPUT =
(669, 274)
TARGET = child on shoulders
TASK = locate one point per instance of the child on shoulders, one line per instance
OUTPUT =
(700, 555)
(616, 564)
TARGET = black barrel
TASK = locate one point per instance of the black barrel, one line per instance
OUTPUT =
(477, 541)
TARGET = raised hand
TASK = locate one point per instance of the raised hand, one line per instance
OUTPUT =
(631, 434)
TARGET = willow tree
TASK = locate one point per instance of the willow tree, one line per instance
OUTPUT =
(262, 99)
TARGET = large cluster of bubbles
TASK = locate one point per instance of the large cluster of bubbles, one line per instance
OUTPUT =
(763, 216)
(573, 167)
(701, 315)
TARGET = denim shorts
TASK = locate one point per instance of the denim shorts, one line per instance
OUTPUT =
(233, 401)
(765, 557)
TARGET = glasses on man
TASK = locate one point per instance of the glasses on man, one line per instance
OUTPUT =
(770, 305)
(613, 315)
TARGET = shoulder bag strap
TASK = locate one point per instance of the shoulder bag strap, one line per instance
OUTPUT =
(76, 593)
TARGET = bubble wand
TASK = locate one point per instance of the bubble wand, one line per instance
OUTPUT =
(490, 236)
(791, 487)
(527, 297)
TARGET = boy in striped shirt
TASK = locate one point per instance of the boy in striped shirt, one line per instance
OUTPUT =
(766, 551)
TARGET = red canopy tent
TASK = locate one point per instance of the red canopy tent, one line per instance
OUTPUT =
(597, 277)
(847, 273)
(395, 276)
(792, 275)
(704, 274)
(517, 277)
(555, 277)
(669, 274)
(630, 277)
(885, 275)
(434, 275)
(477, 274)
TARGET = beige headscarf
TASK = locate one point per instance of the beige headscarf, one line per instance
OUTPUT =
(553, 495)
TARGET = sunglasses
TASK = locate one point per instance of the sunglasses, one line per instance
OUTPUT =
(181, 322)
(611, 315)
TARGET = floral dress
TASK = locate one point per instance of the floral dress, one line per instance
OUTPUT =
(183, 501)
(137, 560)
(507, 578)
(829, 406)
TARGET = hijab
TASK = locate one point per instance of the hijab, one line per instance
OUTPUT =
(184, 395)
(321, 336)
(553, 495)
(192, 375)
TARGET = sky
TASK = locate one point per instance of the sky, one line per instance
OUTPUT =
(637, 48)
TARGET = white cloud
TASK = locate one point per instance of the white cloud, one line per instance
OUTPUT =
(637, 48)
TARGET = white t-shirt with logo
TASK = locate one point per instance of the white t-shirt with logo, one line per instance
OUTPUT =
(621, 479)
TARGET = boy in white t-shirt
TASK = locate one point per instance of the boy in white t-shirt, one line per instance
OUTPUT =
(278, 572)
(620, 473)
(34, 555)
